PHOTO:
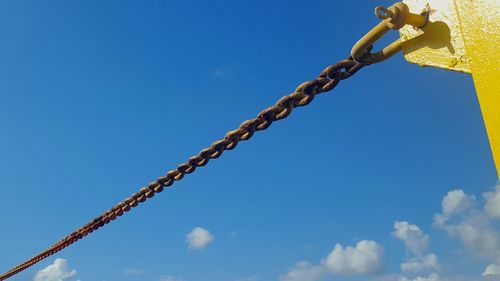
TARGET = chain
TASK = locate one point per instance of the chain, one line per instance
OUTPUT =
(303, 95)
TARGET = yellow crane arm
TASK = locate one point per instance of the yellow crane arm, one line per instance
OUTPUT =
(462, 35)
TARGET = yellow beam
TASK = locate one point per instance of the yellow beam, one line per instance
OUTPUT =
(463, 35)
(480, 25)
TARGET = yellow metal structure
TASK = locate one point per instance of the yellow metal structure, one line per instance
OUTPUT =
(462, 35)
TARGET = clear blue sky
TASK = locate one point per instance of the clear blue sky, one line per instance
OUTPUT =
(98, 98)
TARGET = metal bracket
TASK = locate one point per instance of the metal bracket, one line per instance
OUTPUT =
(462, 35)
(440, 43)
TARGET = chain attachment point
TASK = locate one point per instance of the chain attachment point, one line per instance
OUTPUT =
(394, 17)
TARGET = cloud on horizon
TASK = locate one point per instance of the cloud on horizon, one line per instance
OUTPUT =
(473, 223)
(57, 271)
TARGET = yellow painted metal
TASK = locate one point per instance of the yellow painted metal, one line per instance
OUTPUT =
(463, 35)
(480, 24)
(440, 43)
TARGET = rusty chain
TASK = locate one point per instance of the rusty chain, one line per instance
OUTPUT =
(303, 95)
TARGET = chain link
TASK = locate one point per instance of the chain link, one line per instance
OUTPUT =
(303, 95)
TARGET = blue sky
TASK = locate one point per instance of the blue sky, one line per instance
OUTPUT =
(98, 98)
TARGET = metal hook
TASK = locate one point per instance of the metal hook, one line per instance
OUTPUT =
(394, 17)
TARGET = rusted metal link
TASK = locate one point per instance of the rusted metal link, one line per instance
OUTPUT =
(303, 95)
(394, 17)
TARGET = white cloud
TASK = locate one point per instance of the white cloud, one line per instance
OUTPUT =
(462, 217)
(170, 278)
(472, 226)
(199, 238)
(492, 269)
(492, 206)
(304, 271)
(417, 244)
(478, 236)
(365, 257)
(432, 277)
(415, 239)
(58, 271)
(436, 277)
(420, 263)
(451, 201)
(455, 202)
